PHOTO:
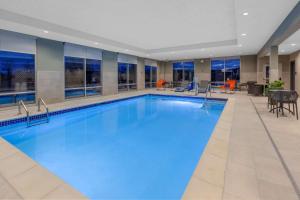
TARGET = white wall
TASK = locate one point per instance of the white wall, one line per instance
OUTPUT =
(10, 41)
(124, 58)
(151, 62)
(74, 50)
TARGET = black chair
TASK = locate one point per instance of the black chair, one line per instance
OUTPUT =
(251, 86)
(279, 98)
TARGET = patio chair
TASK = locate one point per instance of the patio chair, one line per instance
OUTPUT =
(203, 87)
(185, 87)
(230, 84)
(160, 84)
(250, 86)
(279, 98)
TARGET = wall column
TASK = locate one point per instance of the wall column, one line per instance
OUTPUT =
(169, 72)
(274, 71)
(202, 70)
(50, 70)
(109, 73)
(140, 72)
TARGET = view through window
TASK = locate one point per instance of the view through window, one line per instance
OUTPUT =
(17, 77)
(225, 69)
(183, 72)
(82, 77)
(150, 76)
(126, 76)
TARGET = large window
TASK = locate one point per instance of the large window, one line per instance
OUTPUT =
(225, 69)
(17, 77)
(126, 76)
(150, 76)
(183, 72)
(82, 77)
(93, 77)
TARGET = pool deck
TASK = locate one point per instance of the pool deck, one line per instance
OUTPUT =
(251, 155)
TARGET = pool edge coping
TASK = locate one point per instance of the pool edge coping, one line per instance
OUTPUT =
(70, 191)
(208, 179)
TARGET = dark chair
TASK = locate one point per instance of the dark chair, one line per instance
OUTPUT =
(251, 86)
(279, 98)
(291, 97)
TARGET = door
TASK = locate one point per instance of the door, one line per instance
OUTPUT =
(293, 74)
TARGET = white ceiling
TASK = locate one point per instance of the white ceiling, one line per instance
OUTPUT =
(158, 29)
(291, 44)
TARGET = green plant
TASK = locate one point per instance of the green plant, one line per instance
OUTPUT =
(275, 85)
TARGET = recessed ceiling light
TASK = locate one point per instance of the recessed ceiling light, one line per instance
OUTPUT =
(96, 43)
(126, 50)
(293, 44)
(45, 31)
(243, 34)
(245, 13)
(240, 45)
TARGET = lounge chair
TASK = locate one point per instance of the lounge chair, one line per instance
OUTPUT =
(230, 84)
(188, 87)
(203, 87)
(160, 84)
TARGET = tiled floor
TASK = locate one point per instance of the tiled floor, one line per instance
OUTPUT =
(252, 168)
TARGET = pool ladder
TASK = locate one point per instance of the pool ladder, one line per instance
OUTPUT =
(40, 103)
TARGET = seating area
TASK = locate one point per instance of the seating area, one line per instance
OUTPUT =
(280, 100)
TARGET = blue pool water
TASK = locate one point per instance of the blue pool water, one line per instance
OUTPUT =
(140, 148)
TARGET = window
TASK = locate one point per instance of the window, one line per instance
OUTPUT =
(17, 77)
(126, 76)
(217, 72)
(82, 77)
(225, 69)
(150, 76)
(93, 77)
(183, 72)
(232, 69)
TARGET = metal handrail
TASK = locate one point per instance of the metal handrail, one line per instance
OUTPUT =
(21, 104)
(41, 101)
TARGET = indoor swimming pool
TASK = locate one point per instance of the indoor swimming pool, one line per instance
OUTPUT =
(139, 148)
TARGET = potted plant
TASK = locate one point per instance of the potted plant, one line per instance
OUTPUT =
(275, 85)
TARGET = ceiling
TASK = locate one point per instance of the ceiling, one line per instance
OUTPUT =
(291, 44)
(158, 29)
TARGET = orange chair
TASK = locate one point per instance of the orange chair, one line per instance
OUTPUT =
(229, 84)
(160, 84)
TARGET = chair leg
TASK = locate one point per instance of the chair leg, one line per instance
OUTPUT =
(296, 109)
(277, 109)
(293, 109)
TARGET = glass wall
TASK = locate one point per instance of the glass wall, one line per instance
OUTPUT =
(126, 76)
(82, 77)
(93, 77)
(132, 76)
(17, 77)
(225, 69)
(182, 72)
(150, 76)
